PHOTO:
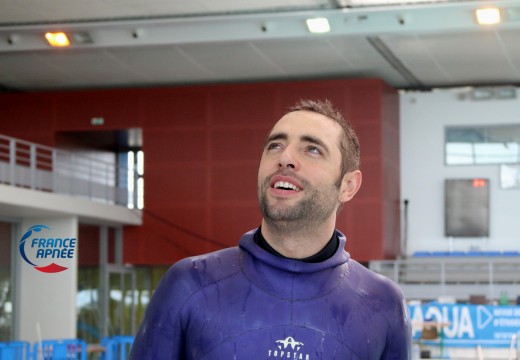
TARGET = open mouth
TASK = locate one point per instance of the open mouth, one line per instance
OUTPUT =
(284, 185)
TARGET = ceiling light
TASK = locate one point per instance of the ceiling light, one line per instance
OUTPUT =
(318, 25)
(488, 16)
(57, 39)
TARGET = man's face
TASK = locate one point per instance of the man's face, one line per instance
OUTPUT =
(299, 169)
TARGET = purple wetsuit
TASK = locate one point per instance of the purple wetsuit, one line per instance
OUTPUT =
(245, 303)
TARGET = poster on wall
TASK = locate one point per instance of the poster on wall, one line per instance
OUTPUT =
(467, 325)
(466, 210)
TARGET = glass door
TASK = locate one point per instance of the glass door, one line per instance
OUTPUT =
(117, 286)
(121, 282)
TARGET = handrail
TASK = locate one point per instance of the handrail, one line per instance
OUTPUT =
(40, 167)
(449, 273)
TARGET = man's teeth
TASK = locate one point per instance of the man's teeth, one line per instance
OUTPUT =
(285, 185)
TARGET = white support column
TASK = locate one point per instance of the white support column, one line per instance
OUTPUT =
(46, 301)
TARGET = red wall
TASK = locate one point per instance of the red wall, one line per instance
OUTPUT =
(202, 147)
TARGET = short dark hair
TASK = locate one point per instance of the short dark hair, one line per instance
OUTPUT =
(349, 143)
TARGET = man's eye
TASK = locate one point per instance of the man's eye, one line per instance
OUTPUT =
(273, 146)
(314, 150)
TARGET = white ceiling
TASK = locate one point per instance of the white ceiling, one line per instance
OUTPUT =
(158, 42)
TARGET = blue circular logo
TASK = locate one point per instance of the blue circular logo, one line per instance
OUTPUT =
(46, 248)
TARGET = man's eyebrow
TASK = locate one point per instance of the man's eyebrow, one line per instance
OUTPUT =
(314, 140)
(276, 136)
(304, 138)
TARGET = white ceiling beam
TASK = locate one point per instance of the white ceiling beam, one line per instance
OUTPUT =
(374, 21)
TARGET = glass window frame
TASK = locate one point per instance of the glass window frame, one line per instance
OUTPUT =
(485, 132)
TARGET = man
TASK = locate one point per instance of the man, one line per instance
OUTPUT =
(289, 290)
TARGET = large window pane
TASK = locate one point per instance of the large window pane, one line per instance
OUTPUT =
(87, 303)
(481, 145)
(6, 305)
(121, 296)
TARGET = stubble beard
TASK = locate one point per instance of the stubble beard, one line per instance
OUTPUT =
(310, 211)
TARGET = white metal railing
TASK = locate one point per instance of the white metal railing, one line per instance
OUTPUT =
(485, 274)
(39, 167)
(459, 270)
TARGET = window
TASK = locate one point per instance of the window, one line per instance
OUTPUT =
(6, 288)
(482, 145)
(135, 179)
(131, 177)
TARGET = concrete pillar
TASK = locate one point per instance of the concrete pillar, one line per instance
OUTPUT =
(46, 301)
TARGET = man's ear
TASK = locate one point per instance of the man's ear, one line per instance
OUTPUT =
(350, 185)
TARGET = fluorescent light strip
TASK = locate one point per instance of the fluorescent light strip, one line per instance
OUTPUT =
(489, 16)
(318, 25)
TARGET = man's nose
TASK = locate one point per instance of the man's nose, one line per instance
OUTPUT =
(288, 160)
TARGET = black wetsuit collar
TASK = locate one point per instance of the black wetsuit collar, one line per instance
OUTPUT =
(322, 255)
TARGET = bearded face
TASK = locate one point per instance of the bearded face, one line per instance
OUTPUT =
(314, 204)
(298, 181)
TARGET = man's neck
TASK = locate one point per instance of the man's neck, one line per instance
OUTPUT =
(298, 242)
(324, 254)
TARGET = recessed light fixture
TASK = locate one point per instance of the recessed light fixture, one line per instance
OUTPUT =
(488, 16)
(57, 39)
(318, 25)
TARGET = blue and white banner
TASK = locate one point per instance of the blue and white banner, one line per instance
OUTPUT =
(468, 325)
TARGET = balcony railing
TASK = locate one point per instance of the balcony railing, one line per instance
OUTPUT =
(38, 167)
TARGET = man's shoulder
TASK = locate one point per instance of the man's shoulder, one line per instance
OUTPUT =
(371, 284)
(203, 270)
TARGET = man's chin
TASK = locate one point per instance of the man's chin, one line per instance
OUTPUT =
(280, 209)
(282, 214)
